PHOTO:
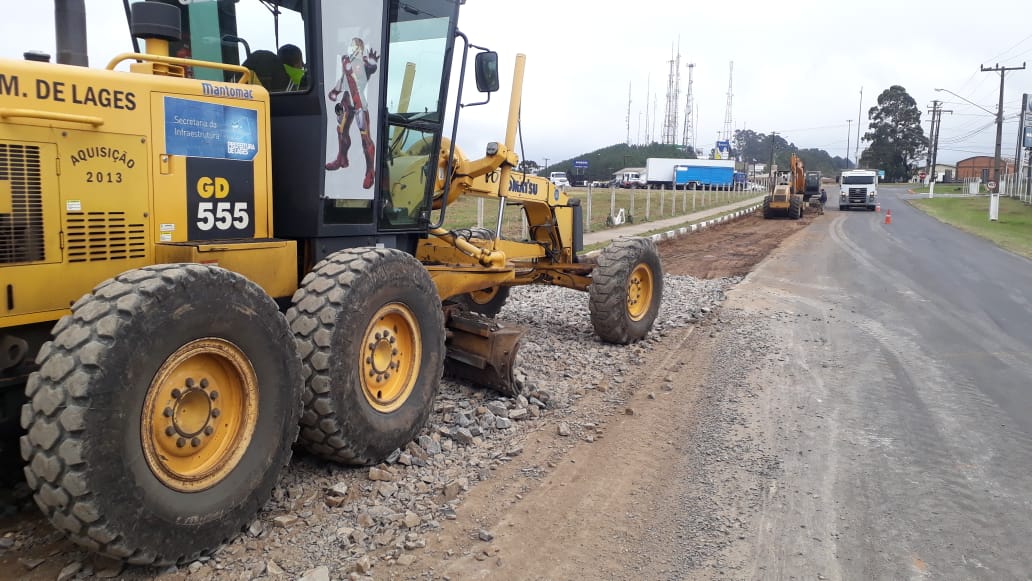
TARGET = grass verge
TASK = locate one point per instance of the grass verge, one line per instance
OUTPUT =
(1012, 231)
(656, 204)
(599, 245)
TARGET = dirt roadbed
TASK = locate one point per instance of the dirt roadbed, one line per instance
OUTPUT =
(575, 480)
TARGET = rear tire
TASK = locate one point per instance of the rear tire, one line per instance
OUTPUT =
(767, 213)
(842, 208)
(370, 328)
(162, 413)
(626, 290)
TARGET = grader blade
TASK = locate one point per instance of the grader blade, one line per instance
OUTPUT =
(483, 351)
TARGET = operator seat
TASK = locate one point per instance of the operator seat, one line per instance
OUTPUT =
(269, 69)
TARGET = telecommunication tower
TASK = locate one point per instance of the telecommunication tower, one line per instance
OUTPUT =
(728, 132)
(688, 137)
(672, 98)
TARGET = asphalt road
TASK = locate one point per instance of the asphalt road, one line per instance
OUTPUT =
(899, 403)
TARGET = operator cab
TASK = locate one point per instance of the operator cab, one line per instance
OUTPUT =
(356, 121)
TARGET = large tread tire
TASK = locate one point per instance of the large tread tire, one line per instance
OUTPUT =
(626, 290)
(795, 208)
(337, 304)
(87, 464)
(767, 212)
(487, 302)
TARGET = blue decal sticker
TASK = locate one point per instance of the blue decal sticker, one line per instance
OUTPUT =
(199, 129)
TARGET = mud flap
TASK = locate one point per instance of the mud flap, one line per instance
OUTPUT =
(483, 351)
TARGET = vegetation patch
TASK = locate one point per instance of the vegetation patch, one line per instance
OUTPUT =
(1012, 231)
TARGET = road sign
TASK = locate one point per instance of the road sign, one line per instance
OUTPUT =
(580, 163)
(991, 186)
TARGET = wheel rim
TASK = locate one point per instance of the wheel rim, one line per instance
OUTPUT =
(639, 292)
(390, 360)
(199, 414)
(484, 296)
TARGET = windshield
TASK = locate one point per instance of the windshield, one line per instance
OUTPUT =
(857, 180)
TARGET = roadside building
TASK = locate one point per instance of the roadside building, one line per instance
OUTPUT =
(943, 173)
(981, 168)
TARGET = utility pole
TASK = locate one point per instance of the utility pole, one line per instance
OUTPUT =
(859, 113)
(628, 113)
(937, 112)
(770, 169)
(849, 131)
(997, 173)
(546, 166)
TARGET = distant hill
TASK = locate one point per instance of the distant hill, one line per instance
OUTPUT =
(603, 163)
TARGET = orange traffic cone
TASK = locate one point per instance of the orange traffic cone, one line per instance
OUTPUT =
(888, 216)
(877, 208)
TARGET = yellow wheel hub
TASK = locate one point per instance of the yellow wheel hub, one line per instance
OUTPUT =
(484, 296)
(199, 414)
(639, 292)
(392, 348)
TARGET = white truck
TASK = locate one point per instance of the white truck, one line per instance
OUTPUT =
(558, 178)
(659, 171)
(630, 179)
(858, 188)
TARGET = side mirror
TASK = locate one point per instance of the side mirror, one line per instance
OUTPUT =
(486, 66)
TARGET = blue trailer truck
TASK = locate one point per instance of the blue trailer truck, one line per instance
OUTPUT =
(714, 173)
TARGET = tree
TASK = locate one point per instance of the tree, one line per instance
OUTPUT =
(529, 165)
(896, 137)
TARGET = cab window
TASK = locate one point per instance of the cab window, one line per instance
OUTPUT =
(266, 36)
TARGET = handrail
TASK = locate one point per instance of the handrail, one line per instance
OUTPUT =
(37, 114)
(174, 60)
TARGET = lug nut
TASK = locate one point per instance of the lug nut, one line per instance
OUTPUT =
(216, 413)
(167, 412)
(176, 393)
(204, 384)
(180, 442)
(208, 430)
(195, 442)
(378, 336)
(189, 382)
(214, 395)
(170, 431)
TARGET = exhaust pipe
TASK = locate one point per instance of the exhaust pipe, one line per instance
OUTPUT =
(70, 26)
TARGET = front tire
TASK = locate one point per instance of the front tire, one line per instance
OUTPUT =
(795, 208)
(626, 290)
(370, 328)
(162, 413)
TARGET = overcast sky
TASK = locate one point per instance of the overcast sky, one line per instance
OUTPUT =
(798, 67)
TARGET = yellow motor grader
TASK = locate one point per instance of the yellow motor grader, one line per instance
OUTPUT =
(235, 237)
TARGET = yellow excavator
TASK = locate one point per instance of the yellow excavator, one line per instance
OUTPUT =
(235, 237)
(788, 194)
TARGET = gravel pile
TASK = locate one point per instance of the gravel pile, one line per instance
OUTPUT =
(331, 522)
